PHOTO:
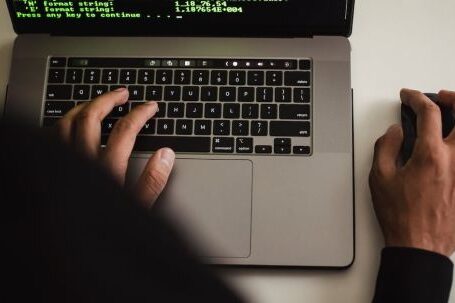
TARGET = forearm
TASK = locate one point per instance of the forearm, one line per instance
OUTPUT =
(413, 275)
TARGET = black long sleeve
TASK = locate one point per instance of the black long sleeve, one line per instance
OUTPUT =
(413, 275)
(70, 234)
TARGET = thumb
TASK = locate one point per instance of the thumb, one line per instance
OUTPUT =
(154, 177)
(387, 150)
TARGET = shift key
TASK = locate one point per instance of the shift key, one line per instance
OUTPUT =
(289, 129)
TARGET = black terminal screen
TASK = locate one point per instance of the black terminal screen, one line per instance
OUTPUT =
(260, 18)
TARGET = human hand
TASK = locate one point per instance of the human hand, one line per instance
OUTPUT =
(81, 129)
(415, 203)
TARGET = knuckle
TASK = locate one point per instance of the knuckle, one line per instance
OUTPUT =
(155, 180)
(85, 116)
(125, 125)
(430, 108)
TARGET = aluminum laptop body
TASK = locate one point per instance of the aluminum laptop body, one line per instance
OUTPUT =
(245, 209)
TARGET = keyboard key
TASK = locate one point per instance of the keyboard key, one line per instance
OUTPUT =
(209, 93)
(136, 92)
(269, 111)
(58, 92)
(187, 63)
(282, 149)
(237, 78)
(107, 125)
(297, 78)
(246, 94)
(74, 76)
(203, 128)
(256, 78)
(263, 149)
(223, 145)
(222, 127)
(149, 127)
(154, 93)
(179, 144)
(120, 111)
(161, 113)
(98, 90)
(57, 62)
(128, 76)
(283, 94)
(81, 92)
(165, 127)
(190, 93)
(164, 76)
(244, 145)
(274, 78)
(305, 64)
(182, 77)
(212, 110)
(301, 95)
(169, 63)
(302, 150)
(240, 128)
(294, 112)
(176, 110)
(231, 111)
(282, 141)
(57, 108)
(56, 76)
(250, 111)
(289, 129)
(110, 76)
(194, 110)
(227, 94)
(172, 93)
(92, 76)
(146, 76)
(219, 77)
(201, 77)
(184, 127)
(264, 94)
(259, 128)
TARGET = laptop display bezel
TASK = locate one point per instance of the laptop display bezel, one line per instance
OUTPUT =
(118, 29)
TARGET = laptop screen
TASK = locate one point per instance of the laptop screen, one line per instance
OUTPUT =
(279, 18)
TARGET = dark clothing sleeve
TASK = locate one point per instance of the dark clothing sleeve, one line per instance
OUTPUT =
(413, 275)
(71, 234)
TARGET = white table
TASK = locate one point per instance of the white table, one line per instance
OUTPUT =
(396, 43)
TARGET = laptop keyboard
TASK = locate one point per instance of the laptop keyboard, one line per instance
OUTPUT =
(206, 106)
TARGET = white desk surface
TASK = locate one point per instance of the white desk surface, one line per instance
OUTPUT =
(395, 43)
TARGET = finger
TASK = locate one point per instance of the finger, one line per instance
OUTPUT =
(387, 151)
(429, 124)
(447, 98)
(154, 177)
(65, 124)
(87, 136)
(121, 141)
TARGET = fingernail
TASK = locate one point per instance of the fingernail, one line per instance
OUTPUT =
(151, 103)
(121, 89)
(167, 156)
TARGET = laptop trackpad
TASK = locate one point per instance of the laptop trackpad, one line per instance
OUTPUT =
(210, 201)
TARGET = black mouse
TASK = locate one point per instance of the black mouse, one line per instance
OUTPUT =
(409, 122)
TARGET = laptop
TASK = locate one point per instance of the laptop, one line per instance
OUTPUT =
(254, 97)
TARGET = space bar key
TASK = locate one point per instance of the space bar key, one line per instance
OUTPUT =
(178, 144)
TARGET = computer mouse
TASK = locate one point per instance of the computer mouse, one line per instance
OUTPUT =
(409, 123)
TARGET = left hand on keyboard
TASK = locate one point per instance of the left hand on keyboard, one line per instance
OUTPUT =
(81, 128)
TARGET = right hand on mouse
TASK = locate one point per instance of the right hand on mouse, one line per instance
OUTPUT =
(415, 203)
(81, 128)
